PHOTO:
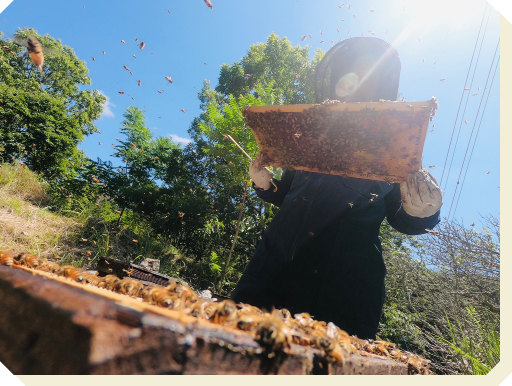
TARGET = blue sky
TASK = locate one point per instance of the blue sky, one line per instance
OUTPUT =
(435, 40)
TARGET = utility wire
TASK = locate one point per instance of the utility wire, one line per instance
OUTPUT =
(466, 103)
(476, 136)
(462, 96)
(474, 124)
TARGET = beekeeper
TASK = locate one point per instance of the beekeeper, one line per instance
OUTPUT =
(321, 253)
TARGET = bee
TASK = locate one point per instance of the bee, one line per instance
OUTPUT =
(126, 68)
(304, 37)
(310, 36)
(248, 321)
(139, 82)
(131, 73)
(466, 122)
(431, 231)
(348, 6)
(442, 79)
(159, 91)
(304, 319)
(169, 79)
(93, 59)
(158, 296)
(35, 50)
(99, 143)
(136, 39)
(122, 41)
(225, 312)
(432, 166)
(341, 5)
(337, 30)
(134, 56)
(109, 282)
(183, 110)
(196, 309)
(91, 279)
(104, 53)
(321, 41)
(272, 334)
(417, 365)
(475, 94)
(29, 260)
(209, 4)
(488, 173)
(71, 272)
(210, 309)
(142, 45)
(333, 351)
(7, 257)
(121, 92)
(351, 204)
(181, 214)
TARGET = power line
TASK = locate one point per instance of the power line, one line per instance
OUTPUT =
(467, 148)
(466, 103)
(462, 96)
(476, 136)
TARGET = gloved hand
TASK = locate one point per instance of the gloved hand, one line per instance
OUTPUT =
(259, 174)
(421, 196)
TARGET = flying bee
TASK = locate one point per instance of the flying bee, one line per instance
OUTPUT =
(169, 79)
(351, 204)
(93, 59)
(139, 82)
(71, 272)
(209, 4)
(183, 110)
(122, 41)
(304, 37)
(431, 231)
(104, 53)
(142, 45)
(443, 79)
(121, 92)
(126, 68)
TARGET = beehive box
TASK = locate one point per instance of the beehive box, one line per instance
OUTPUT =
(374, 140)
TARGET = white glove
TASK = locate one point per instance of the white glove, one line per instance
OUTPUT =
(421, 196)
(260, 175)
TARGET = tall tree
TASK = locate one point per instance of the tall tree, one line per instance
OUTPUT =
(44, 114)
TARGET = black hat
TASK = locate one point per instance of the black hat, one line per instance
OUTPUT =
(358, 70)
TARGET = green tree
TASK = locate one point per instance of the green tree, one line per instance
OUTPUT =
(44, 115)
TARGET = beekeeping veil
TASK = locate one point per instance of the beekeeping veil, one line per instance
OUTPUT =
(358, 70)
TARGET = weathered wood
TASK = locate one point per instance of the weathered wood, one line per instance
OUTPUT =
(57, 326)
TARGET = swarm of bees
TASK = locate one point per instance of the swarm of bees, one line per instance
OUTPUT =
(275, 331)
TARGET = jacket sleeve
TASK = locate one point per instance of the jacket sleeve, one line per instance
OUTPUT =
(283, 187)
(401, 221)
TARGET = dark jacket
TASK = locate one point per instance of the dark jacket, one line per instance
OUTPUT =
(321, 253)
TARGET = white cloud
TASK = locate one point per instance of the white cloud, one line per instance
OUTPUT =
(107, 111)
(177, 139)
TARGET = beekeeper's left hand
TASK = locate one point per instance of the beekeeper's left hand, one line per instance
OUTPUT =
(421, 196)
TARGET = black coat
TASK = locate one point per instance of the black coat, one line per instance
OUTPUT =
(321, 253)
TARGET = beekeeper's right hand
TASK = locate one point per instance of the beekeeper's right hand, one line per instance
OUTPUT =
(259, 174)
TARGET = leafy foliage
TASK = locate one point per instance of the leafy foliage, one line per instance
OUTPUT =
(44, 115)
